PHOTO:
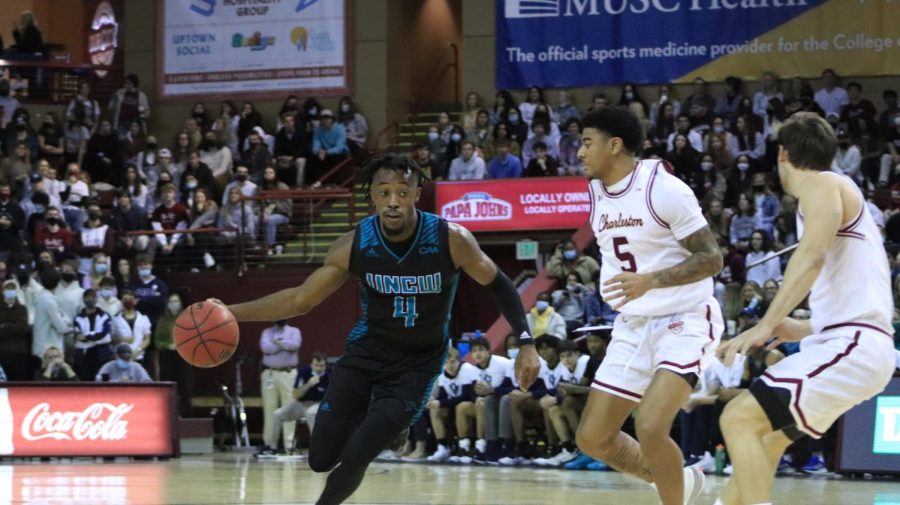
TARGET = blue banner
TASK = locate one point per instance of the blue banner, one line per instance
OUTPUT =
(565, 43)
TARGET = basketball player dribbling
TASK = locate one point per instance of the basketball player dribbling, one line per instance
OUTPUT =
(846, 347)
(659, 257)
(407, 263)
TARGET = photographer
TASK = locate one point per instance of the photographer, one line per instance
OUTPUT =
(567, 259)
(571, 302)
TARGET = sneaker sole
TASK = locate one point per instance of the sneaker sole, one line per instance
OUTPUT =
(697, 487)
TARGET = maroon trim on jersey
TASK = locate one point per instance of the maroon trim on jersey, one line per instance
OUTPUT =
(617, 389)
(851, 234)
(796, 402)
(593, 202)
(855, 222)
(860, 325)
(620, 194)
(838, 357)
(676, 365)
(653, 213)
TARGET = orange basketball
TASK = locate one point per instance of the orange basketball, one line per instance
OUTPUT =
(206, 334)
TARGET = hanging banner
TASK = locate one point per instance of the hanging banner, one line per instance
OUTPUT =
(562, 43)
(553, 203)
(217, 47)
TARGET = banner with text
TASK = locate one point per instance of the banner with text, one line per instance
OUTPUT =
(252, 46)
(560, 43)
(87, 420)
(515, 204)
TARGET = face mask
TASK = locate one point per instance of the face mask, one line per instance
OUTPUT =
(663, 98)
(39, 209)
(514, 119)
(101, 268)
(570, 255)
(175, 307)
(145, 272)
(69, 276)
(90, 303)
(191, 185)
(122, 364)
(743, 167)
(718, 129)
(707, 166)
(345, 107)
(128, 304)
(541, 305)
(456, 137)
(512, 353)
(9, 294)
(432, 136)
(629, 96)
(105, 293)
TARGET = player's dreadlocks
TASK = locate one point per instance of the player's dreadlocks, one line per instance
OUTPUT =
(398, 163)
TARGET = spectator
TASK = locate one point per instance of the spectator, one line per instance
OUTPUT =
(181, 153)
(541, 165)
(848, 158)
(83, 110)
(257, 156)
(709, 182)
(437, 147)
(504, 165)
(169, 216)
(858, 108)
(133, 143)
(15, 337)
(656, 108)
(329, 147)
(743, 222)
(751, 299)
(8, 103)
(50, 139)
(201, 173)
(10, 240)
(503, 102)
(54, 367)
(467, 166)
(769, 91)
(454, 144)
(74, 197)
(124, 274)
(93, 338)
(217, 157)
(569, 145)
(132, 327)
(543, 319)
(27, 35)
(150, 291)
(95, 237)
(291, 105)
(469, 116)
(17, 167)
(786, 222)
(237, 216)
(10, 206)
(193, 132)
(766, 203)
(540, 129)
(280, 345)
(699, 100)
(527, 108)
(129, 104)
(127, 217)
(760, 248)
(107, 300)
(123, 369)
(740, 179)
(354, 123)
(248, 120)
(206, 215)
(97, 270)
(50, 322)
(291, 151)
(242, 182)
(683, 158)
(168, 365)
(831, 98)
(276, 212)
(429, 165)
(135, 186)
(567, 259)
(565, 109)
(570, 302)
(481, 135)
(717, 218)
(309, 390)
(745, 140)
(886, 120)
(454, 386)
(683, 126)
(101, 158)
(727, 106)
(75, 139)
(501, 132)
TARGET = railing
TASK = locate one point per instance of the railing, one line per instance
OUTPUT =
(341, 175)
(57, 82)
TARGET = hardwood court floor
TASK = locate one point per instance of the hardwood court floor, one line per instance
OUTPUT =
(237, 478)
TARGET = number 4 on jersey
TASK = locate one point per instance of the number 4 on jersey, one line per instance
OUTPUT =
(405, 307)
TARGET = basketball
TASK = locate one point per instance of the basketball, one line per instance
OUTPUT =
(206, 334)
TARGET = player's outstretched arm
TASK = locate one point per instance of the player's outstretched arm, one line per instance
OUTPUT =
(469, 257)
(299, 300)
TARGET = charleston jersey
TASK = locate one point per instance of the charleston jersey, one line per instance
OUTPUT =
(453, 386)
(855, 282)
(638, 223)
(405, 298)
(495, 371)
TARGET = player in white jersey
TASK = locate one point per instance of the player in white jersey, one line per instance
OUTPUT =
(846, 348)
(455, 385)
(571, 368)
(659, 257)
(490, 373)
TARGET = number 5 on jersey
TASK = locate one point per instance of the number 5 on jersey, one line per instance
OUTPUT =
(405, 307)
(629, 265)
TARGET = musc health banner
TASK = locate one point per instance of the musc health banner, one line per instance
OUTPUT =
(515, 204)
(253, 46)
(561, 43)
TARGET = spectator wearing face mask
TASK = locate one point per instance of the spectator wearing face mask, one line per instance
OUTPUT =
(93, 337)
(242, 182)
(106, 297)
(95, 237)
(98, 269)
(132, 327)
(15, 341)
(544, 320)
(168, 365)
(122, 368)
(571, 302)
(151, 292)
(567, 259)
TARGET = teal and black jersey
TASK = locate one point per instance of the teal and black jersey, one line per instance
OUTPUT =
(406, 296)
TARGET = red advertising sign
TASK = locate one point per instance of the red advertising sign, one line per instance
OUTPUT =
(552, 203)
(87, 420)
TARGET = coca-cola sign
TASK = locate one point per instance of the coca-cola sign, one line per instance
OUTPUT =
(87, 420)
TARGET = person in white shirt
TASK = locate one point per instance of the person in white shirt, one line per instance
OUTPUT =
(769, 91)
(848, 158)
(831, 98)
(570, 369)
(69, 292)
(131, 327)
(106, 297)
(50, 323)
(454, 387)
(760, 248)
(683, 126)
(74, 194)
(467, 166)
(492, 369)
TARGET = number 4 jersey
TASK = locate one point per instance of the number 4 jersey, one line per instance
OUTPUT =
(405, 295)
(638, 223)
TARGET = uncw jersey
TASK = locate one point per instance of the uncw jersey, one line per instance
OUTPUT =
(406, 299)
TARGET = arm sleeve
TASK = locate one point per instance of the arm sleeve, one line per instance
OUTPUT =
(676, 205)
(504, 388)
(507, 299)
